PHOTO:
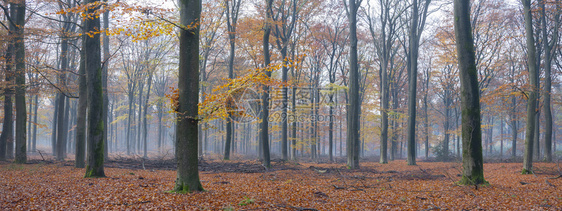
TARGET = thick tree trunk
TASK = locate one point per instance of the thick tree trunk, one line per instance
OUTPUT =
(8, 124)
(533, 81)
(473, 169)
(94, 167)
(188, 85)
(21, 112)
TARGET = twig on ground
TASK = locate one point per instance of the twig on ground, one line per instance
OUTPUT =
(41, 155)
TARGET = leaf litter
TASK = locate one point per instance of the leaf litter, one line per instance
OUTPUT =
(246, 185)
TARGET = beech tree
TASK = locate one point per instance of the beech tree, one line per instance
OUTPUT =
(533, 81)
(354, 108)
(188, 89)
(416, 29)
(264, 125)
(232, 10)
(473, 163)
(92, 54)
(21, 111)
(7, 137)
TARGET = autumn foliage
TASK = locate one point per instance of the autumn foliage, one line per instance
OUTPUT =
(245, 185)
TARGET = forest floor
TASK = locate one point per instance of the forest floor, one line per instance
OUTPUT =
(247, 185)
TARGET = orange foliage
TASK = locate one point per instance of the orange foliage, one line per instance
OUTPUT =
(394, 186)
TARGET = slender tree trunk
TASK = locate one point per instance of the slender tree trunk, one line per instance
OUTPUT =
(160, 114)
(548, 48)
(144, 116)
(139, 122)
(62, 115)
(513, 123)
(34, 140)
(537, 133)
(412, 87)
(129, 116)
(426, 120)
(353, 123)
(384, 116)
(284, 106)
(294, 127)
(188, 85)
(473, 169)
(501, 137)
(533, 81)
(29, 123)
(232, 8)
(104, 76)
(265, 96)
(82, 112)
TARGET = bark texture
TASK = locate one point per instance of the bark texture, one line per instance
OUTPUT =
(188, 86)
(92, 54)
(473, 168)
(533, 81)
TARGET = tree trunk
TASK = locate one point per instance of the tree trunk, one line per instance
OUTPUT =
(412, 87)
(139, 123)
(264, 139)
(21, 112)
(34, 134)
(232, 8)
(104, 76)
(7, 136)
(94, 167)
(533, 81)
(513, 121)
(188, 86)
(131, 89)
(473, 169)
(29, 123)
(62, 115)
(160, 114)
(549, 51)
(537, 133)
(501, 137)
(82, 109)
(144, 116)
(353, 123)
